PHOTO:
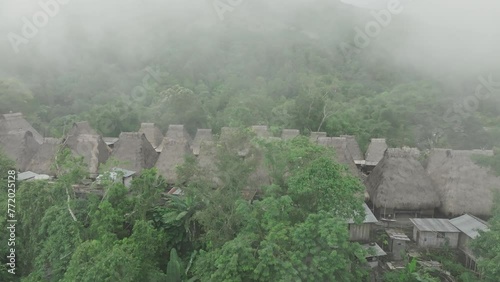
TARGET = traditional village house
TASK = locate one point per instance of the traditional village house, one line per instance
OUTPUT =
(361, 232)
(463, 185)
(175, 147)
(375, 153)
(233, 137)
(315, 135)
(20, 147)
(202, 136)
(288, 134)
(261, 131)
(342, 154)
(353, 147)
(15, 123)
(396, 244)
(92, 148)
(44, 159)
(153, 134)
(400, 188)
(81, 127)
(434, 233)
(134, 152)
(110, 141)
(469, 227)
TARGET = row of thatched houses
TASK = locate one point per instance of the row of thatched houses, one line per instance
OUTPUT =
(400, 183)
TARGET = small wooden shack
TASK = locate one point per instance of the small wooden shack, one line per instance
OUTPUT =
(434, 233)
(373, 254)
(361, 232)
(469, 227)
(396, 243)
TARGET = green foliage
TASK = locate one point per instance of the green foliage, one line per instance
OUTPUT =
(493, 162)
(174, 267)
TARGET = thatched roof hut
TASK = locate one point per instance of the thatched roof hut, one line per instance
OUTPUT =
(175, 146)
(375, 151)
(20, 147)
(207, 154)
(400, 182)
(14, 123)
(135, 151)
(202, 136)
(261, 131)
(353, 147)
(82, 127)
(92, 148)
(464, 186)
(153, 134)
(342, 154)
(315, 135)
(288, 134)
(234, 138)
(45, 156)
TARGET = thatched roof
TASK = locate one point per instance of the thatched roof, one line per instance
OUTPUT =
(202, 135)
(206, 157)
(315, 135)
(261, 131)
(342, 154)
(353, 147)
(82, 127)
(45, 156)
(231, 135)
(20, 147)
(464, 186)
(135, 151)
(175, 146)
(288, 134)
(92, 148)
(400, 181)
(375, 151)
(153, 134)
(12, 123)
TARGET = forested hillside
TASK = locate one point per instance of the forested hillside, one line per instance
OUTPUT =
(288, 67)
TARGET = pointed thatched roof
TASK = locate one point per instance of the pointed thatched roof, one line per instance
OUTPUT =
(288, 134)
(11, 123)
(464, 186)
(353, 147)
(231, 135)
(92, 148)
(315, 135)
(342, 154)
(202, 135)
(135, 151)
(45, 156)
(175, 146)
(400, 181)
(207, 153)
(375, 151)
(20, 147)
(261, 131)
(153, 134)
(82, 127)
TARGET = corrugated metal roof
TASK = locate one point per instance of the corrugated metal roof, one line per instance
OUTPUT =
(469, 225)
(434, 225)
(373, 251)
(369, 216)
(26, 175)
